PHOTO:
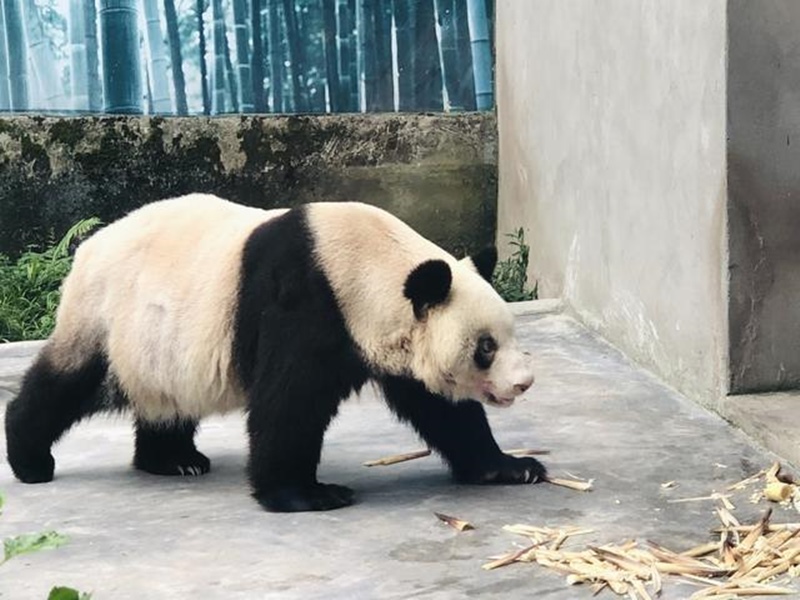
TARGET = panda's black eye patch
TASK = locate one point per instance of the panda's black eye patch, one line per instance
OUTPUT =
(484, 352)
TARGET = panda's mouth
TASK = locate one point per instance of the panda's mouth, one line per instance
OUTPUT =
(497, 401)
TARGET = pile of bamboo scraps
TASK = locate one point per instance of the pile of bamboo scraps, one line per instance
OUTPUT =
(743, 560)
(746, 560)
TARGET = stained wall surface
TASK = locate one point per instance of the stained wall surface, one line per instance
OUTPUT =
(438, 172)
(611, 121)
(764, 194)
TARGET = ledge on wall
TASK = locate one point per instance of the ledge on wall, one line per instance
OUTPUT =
(772, 419)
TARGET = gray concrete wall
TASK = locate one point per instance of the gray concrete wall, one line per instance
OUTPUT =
(438, 172)
(612, 155)
(764, 192)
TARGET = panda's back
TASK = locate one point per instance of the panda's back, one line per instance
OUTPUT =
(157, 290)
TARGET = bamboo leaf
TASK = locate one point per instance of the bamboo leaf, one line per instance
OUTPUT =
(32, 542)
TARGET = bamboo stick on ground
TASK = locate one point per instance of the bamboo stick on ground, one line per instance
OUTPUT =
(526, 452)
(573, 484)
(397, 458)
(406, 456)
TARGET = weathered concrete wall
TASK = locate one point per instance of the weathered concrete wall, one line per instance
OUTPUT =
(612, 154)
(764, 189)
(438, 172)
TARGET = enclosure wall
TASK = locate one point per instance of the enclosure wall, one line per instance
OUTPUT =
(612, 156)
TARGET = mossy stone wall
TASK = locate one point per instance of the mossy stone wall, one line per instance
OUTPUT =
(437, 172)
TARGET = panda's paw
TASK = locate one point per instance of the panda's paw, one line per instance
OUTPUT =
(507, 469)
(190, 464)
(312, 497)
(32, 468)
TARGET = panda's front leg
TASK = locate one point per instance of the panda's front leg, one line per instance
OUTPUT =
(286, 429)
(459, 432)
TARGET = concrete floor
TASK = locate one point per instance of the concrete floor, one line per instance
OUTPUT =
(135, 536)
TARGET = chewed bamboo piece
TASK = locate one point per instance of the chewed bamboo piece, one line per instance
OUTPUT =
(724, 498)
(454, 522)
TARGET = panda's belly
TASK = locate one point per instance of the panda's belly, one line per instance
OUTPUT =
(171, 382)
(167, 367)
(156, 404)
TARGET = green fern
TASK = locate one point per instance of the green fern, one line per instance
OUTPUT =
(78, 231)
(511, 275)
(30, 286)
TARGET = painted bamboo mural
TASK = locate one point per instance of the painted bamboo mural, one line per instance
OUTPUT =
(122, 69)
(348, 65)
(276, 56)
(42, 59)
(481, 53)
(158, 63)
(466, 90)
(176, 58)
(202, 47)
(404, 34)
(184, 57)
(296, 60)
(5, 92)
(256, 82)
(245, 88)
(79, 65)
(220, 44)
(93, 57)
(331, 56)
(17, 55)
(427, 68)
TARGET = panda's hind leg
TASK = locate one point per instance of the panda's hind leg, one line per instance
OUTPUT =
(58, 390)
(167, 448)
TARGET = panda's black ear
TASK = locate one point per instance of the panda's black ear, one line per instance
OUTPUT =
(485, 261)
(428, 285)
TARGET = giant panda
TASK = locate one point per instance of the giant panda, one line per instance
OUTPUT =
(196, 305)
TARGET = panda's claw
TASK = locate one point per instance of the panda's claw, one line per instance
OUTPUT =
(191, 470)
(506, 469)
(194, 464)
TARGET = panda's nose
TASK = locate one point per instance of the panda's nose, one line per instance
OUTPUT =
(523, 386)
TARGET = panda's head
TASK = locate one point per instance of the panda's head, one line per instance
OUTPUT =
(463, 344)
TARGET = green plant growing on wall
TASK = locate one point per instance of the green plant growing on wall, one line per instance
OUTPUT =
(511, 275)
(30, 286)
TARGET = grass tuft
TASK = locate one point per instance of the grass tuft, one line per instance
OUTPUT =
(511, 275)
